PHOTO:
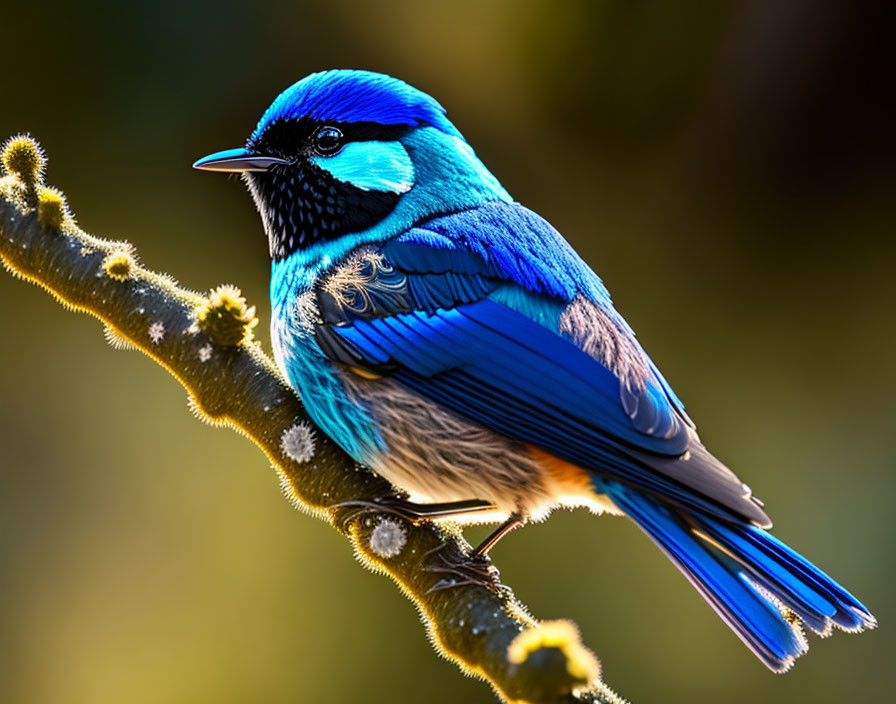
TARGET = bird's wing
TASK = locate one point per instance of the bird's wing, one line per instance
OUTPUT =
(491, 314)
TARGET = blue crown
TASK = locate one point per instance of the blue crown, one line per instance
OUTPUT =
(356, 96)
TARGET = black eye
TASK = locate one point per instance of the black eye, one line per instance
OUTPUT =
(328, 140)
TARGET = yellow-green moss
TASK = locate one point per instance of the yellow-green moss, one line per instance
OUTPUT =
(225, 317)
(52, 210)
(23, 157)
(117, 264)
(581, 664)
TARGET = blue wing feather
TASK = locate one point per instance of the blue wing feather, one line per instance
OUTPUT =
(475, 328)
(503, 240)
(509, 242)
(526, 395)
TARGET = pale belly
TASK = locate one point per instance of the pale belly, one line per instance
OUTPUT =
(436, 456)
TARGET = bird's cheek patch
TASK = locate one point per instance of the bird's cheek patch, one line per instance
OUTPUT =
(371, 166)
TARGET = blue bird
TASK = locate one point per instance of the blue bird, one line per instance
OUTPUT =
(450, 339)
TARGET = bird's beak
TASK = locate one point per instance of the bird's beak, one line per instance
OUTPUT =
(236, 160)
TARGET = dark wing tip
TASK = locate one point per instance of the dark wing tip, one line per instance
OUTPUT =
(757, 514)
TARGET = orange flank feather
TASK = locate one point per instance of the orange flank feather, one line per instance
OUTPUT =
(570, 484)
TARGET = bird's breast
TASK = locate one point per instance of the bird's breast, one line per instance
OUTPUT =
(316, 379)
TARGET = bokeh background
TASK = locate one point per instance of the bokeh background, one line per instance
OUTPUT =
(726, 166)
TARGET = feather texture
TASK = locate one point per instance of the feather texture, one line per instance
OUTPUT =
(759, 586)
(521, 363)
(356, 96)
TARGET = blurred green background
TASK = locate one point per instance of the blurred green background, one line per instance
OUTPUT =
(726, 166)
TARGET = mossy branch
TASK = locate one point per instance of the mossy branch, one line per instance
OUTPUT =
(206, 343)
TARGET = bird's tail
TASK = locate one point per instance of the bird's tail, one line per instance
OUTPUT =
(759, 586)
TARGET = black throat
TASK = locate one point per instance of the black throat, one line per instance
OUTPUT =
(301, 204)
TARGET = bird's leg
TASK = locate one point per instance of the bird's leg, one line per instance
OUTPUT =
(409, 510)
(515, 521)
(476, 569)
(458, 570)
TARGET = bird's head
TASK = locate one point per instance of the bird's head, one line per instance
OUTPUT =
(346, 157)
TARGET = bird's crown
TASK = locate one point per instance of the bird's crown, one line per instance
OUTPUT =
(342, 95)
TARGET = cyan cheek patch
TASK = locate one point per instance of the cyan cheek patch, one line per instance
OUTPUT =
(371, 166)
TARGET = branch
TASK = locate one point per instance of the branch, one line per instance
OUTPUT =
(206, 343)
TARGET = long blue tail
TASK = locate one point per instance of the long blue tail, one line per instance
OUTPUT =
(760, 587)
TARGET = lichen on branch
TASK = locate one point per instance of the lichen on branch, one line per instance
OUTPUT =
(206, 342)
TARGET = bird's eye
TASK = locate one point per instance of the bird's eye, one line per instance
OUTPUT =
(328, 140)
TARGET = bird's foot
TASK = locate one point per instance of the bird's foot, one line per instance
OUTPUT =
(415, 513)
(458, 570)
(351, 511)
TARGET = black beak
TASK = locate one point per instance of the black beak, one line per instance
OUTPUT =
(237, 160)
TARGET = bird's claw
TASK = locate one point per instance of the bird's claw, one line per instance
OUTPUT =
(455, 570)
(463, 570)
(355, 509)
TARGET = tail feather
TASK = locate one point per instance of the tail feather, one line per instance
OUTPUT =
(759, 586)
(800, 585)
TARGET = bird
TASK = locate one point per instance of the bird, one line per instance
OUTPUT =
(451, 340)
